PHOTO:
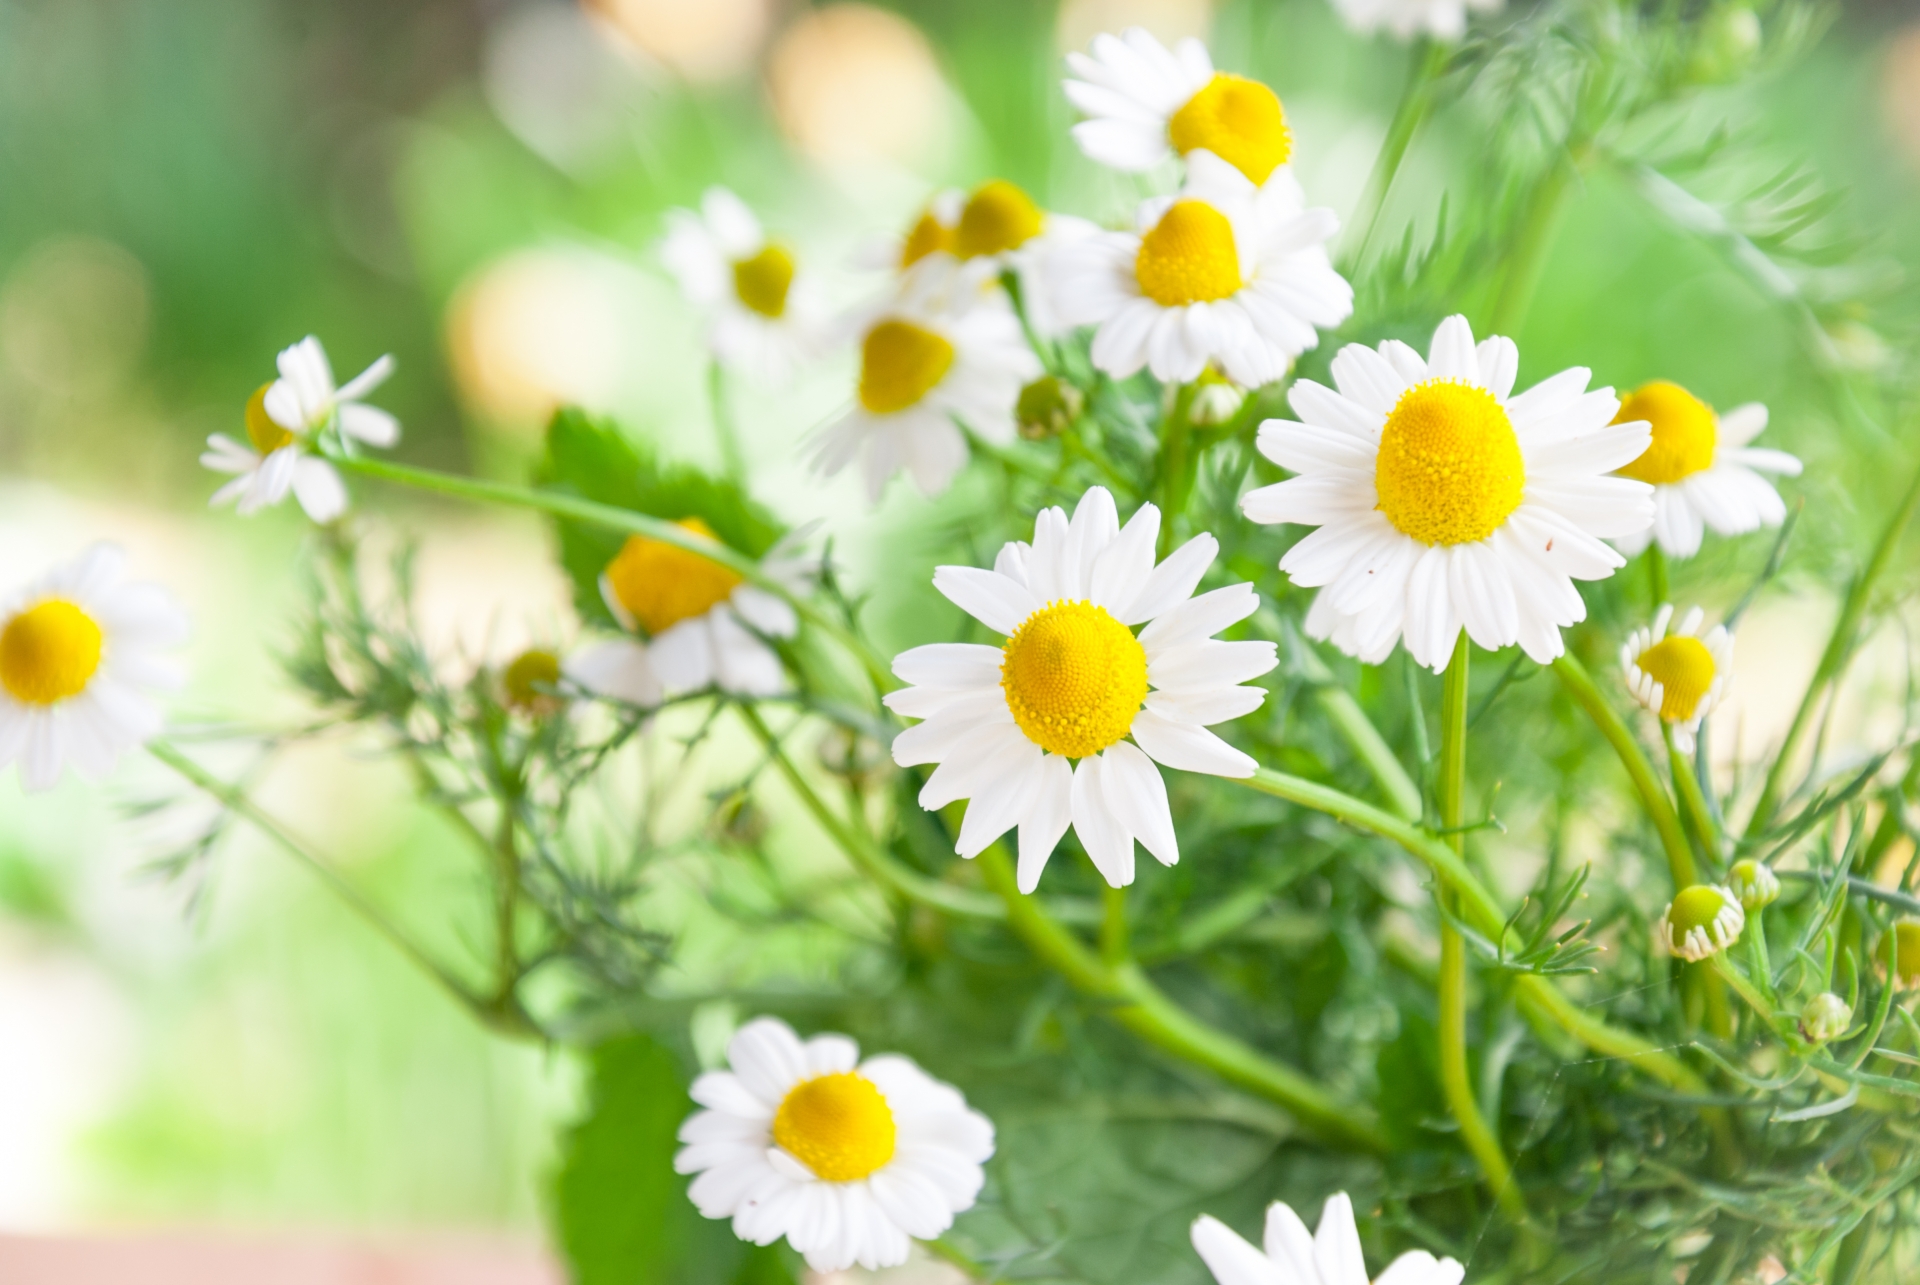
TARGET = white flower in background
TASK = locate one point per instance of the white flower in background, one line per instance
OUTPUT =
(931, 360)
(1754, 883)
(1145, 103)
(1679, 676)
(1700, 921)
(1444, 502)
(1406, 19)
(849, 1160)
(1072, 682)
(284, 421)
(766, 314)
(1702, 471)
(77, 648)
(699, 623)
(1220, 273)
(1330, 1256)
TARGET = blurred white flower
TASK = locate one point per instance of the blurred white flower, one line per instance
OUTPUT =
(1679, 676)
(766, 314)
(1405, 19)
(1330, 1256)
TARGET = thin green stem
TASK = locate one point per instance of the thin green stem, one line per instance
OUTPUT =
(1176, 441)
(1657, 591)
(1653, 795)
(1114, 945)
(1693, 801)
(1757, 958)
(732, 458)
(1362, 737)
(1746, 990)
(1416, 100)
(1529, 255)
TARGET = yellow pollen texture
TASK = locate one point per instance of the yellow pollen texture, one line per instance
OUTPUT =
(997, 218)
(1695, 907)
(1074, 678)
(1238, 120)
(262, 429)
(49, 653)
(662, 585)
(927, 236)
(1449, 469)
(899, 364)
(1684, 432)
(761, 282)
(1683, 667)
(1189, 256)
(839, 1126)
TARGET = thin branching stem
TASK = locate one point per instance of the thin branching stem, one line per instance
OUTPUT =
(1646, 783)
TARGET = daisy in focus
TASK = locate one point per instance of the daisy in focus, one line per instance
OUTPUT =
(1702, 471)
(931, 360)
(285, 422)
(1330, 1256)
(1221, 273)
(77, 653)
(1406, 19)
(1035, 732)
(691, 622)
(1679, 676)
(1700, 921)
(849, 1160)
(766, 316)
(1444, 502)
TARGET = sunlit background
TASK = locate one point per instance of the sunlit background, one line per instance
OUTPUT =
(475, 186)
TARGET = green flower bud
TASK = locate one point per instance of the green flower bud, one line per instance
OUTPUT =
(1754, 883)
(1216, 400)
(1702, 920)
(1729, 42)
(1047, 407)
(529, 682)
(1826, 1017)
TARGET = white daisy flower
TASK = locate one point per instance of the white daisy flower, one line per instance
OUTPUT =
(1702, 920)
(1330, 1256)
(849, 1160)
(1145, 103)
(1702, 471)
(1406, 19)
(1445, 502)
(285, 420)
(1073, 682)
(698, 623)
(1680, 675)
(767, 316)
(1222, 272)
(77, 648)
(931, 360)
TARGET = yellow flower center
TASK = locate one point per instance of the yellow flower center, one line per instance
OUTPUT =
(662, 584)
(997, 218)
(1695, 907)
(761, 282)
(49, 653)
(1074, 678)
(837, 1125)
(1683, 667)
(927, 236)
(1449, 469)
(1684, 432)
(899, 364)
(1238, 120)
(1189, 256)
(263, 430)
(529, 681)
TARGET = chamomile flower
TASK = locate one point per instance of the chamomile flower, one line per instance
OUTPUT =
(1702, 471)
(1679, 675)
(1330, 1256)
(849, 1160)
(1444, 502)
(931, 360)
(1406, 19)
(1144, 103)
(77, 651)
(995, 228)
(1700, 921)
(766, 315)
(1755, 883)
(692, 623)
(285, 420)
(1035, 732)
(1220, 273)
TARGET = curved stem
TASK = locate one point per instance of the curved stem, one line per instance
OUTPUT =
(1653, 795)
(1416, 100)
(1344, 712)
(1176, 445)
(732, 458)
(1529, 255)
(1693, 801)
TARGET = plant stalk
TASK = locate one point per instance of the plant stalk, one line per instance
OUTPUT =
(1653, 795)
(1416, 100)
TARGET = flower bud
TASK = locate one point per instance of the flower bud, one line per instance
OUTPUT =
(1216, 400)
(1754, 883)
(1826, 1017)
(1047, 408)
(528, 683)
(1703, 920)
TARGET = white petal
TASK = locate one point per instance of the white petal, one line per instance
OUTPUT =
(1200, 617)
(1173, 581)
(1452, 355)
(1203, 706)
(1211, 663)
(318, 488)
(1191, 749)
(682, 655)
(1232, 1260)
(1047, 819)
(768, 1058)
(1336, 1244)
(618, 669)
(1108, 843)
(949, 665)
(369, 424)
(1290, 1246)
(1137, 795)
(989, 597)
(1123, 567)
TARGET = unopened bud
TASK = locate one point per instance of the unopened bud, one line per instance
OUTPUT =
(1216, 400)
(529, 683)
(1700, 921)
(1826, 1017)
(1047, 408)
(1754, 883)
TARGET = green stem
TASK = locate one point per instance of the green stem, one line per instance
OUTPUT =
(1362, 737)
(1114, 947)
(1416, 100)
(1746, 990)
(732, 458)
(1653, 795)
(1693, 801)
(1757, 958)
(1657, 590)
(1176, 438)
(1529, 255)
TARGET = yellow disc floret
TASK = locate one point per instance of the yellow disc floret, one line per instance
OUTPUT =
(1074, 678)
(1238, 120)
(839, 1126)
(1449, 469)
(661, 584)
(928, 235)
(998, 217)
(48, 653)
(899, 364)
(762, 281)
(1684, 668)
(1189, 256)
(1685, 432)
(263, 430)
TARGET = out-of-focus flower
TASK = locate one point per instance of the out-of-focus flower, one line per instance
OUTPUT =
(285, 420)
(1007, 724)
(1755, 883)
(1405, 19)
(1222, 273)
(766, 313)
(1680, 675)
(850, 1160)
(708, 41)
(1079, 21)
(1826, 1017)
(1216, 400)
(77, 654)
(530, 683)
(1047, 408)
(1700, 921)
(1701, 469)
(1444, 502)
(1329, 1256)
(852, 83)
